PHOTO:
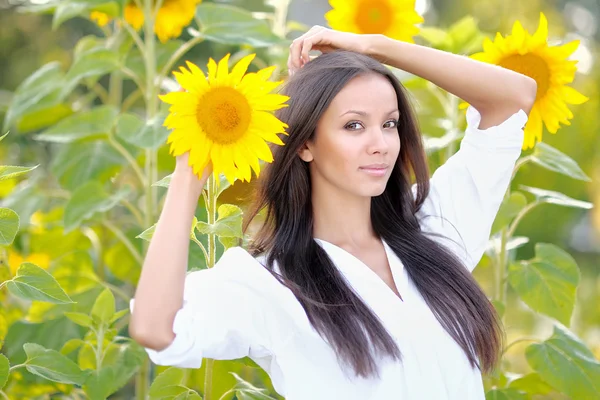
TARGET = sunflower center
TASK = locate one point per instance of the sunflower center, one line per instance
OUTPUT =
(531, 65)
(373, 16)
(223, 113)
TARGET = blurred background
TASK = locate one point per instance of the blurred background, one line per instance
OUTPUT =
(28, 41)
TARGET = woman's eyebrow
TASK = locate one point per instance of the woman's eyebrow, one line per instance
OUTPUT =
(364, 113)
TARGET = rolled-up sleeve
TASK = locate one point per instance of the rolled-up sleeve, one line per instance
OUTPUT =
(467, 190)
(221, 317)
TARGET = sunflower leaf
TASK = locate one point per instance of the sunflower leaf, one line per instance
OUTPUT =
(551, 197)
(145, 134)
(550, 158)
(39, 91)
(232, 25)
(228, 224)
(33, 283)
(564, 362)
(532, 384)
(9, 226)
(52, 365)
(548, 282)
(89, 200)
(98, 121)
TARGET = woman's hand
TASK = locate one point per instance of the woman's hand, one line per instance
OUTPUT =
(184, 172)
(324, 40)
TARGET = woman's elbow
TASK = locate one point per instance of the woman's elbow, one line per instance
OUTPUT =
(527, 93)
(150, 338)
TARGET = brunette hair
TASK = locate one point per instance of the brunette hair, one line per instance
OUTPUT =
(286, 236)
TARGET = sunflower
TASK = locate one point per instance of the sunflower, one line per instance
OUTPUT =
(172, 17)
(226, 118)
(548, 65)
(393, 18)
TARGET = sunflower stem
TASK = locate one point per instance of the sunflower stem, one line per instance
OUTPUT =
(211, 210)
(149, 54)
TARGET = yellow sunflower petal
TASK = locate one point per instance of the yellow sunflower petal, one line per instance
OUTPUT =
(223, 70)
(533, 129)
(212, 71)
(572, 96)
(240, 69)
(541, 34)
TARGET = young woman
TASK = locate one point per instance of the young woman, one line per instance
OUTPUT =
(358, 284)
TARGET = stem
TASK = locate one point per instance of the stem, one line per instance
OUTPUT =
(211, 210)
(199, 243)
(4, 283)
(16, 367)
(177, 55)
(520, 162)
(4, 396)
(136, 213)
(520, 340)
(520, 215)
(97, 245)
(142, 381)
(131, 99)
(99, 350)
(119, 234)
(133, 77)
(99, 91)
(501, 269)
(132, 162)
(136, 38)
(115, 89)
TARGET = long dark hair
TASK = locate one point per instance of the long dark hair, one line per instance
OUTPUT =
(286, 236)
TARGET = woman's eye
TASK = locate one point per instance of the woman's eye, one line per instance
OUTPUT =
(391, 124)
(353, 126)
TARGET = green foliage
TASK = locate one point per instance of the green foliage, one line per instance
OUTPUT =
(97, 125)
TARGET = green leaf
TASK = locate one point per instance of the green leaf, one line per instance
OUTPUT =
(98, 385)
(93, 63)
(9, 172)
(229, 223)
(145, 134)
(40, 90)
(229, 242)
(80, 319)
(505, 394)
(104, 307)
(77, 163)
(47, 116)
(89, 200)
(9, 226)
(3, 136)
(122, 263)
(68, 9)
(4, 370)
(164, 182)
(509, 209)
(33, 283)
(564, 362)
(532, 384)
(147, 234)
(52, 365)
(118, 315)
(550, 158)
(548, 196)
(3, 329)
(548, 282)
(168, 384)
(246, 390)
(130, 357)
(97, 121)
(466, 36)
(232, 25)
(500, 307)
(437, 37)
(70, 346)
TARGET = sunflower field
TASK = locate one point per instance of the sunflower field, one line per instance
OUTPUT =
(97, 97)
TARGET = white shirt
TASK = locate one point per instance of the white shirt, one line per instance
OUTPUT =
(239, 309)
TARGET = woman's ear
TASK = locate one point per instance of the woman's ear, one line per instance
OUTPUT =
(305, 154)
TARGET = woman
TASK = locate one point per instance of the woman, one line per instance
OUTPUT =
(358, 285)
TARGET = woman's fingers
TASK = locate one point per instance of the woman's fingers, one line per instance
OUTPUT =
(300, 48)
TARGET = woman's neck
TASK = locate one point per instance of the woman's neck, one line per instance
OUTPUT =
(340, 218)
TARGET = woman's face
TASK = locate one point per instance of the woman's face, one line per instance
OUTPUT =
(356, 142)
